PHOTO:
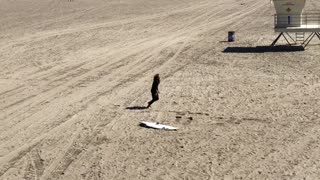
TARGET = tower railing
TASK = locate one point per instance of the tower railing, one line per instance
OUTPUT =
(306, 20)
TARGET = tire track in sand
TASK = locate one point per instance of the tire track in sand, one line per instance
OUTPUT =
(56, 172)
(9, 160)
(94, 99)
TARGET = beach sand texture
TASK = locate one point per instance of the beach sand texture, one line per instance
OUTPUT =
(75, 76)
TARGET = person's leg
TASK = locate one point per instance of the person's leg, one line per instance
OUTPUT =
(155, 97)
(149, 103)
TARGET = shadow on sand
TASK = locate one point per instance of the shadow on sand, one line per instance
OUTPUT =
(263, 49)
(145, 126)
(137, 108)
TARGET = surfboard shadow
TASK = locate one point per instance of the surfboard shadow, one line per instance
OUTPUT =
(136, 108)
(145, 126)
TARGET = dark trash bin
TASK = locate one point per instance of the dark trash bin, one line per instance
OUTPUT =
(231, 36)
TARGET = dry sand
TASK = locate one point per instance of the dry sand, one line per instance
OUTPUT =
(74, 74)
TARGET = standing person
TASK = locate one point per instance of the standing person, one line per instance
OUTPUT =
(154, 90)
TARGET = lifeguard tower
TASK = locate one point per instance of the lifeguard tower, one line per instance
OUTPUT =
(290, 19)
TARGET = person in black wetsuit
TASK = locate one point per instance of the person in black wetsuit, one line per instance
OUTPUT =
(154, 90)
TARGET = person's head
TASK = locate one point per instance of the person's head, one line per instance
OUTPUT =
(156, 77)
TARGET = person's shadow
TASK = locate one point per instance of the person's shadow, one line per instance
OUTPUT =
(137, 108)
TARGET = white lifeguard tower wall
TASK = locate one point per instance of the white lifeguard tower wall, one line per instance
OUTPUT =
(291, 18)
(289, 12)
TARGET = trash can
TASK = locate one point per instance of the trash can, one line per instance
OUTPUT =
(231, 36)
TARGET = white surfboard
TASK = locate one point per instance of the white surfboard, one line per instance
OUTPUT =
(157, 125)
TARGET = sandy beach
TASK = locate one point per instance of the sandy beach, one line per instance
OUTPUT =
(75, 77)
